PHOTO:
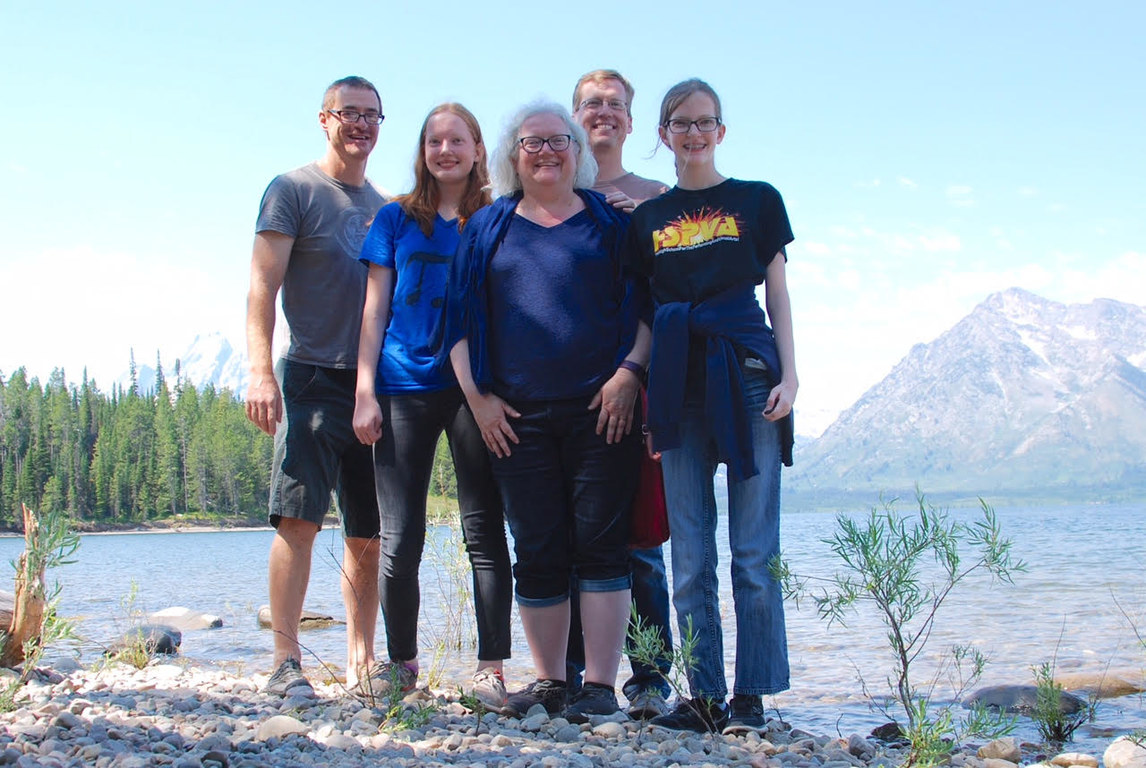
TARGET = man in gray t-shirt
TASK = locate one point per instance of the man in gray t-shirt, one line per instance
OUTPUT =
(311, 225)
(602, 104)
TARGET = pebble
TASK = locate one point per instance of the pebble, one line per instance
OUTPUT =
(196, 716)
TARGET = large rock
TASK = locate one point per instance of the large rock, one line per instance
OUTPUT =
(1001, 749)
(310, 619)
(156, 638)
(185, 619)
(1104, 685)
(1067, 759)
(1019, 698)
(280, 726)
(1124, 753)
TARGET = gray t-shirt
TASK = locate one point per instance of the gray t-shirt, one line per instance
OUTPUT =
(325, 283)
(637, 187)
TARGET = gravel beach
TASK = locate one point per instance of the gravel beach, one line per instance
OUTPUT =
(187, 715)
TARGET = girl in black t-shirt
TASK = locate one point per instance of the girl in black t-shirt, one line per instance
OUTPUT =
(721, 387)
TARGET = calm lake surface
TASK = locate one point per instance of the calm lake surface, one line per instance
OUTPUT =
(1080, 560)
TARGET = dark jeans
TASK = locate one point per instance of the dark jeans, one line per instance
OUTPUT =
(651, 600)
(567, 498)
(316, 452)
(403, 459)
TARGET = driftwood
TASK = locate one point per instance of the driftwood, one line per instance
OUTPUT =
(31, 596)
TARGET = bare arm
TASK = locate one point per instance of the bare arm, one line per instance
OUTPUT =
(617, 395)
(375, 315)
(269, 259)
(490, 411)
(779, 307)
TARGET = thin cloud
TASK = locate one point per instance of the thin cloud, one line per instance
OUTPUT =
(816, 249)
(960, 195)
(906, 182)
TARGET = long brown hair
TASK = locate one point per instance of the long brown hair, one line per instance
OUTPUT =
(421, 204)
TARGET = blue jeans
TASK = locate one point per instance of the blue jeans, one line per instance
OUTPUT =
(754, 538)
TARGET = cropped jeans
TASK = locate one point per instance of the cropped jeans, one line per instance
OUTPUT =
(754, 538)
(567, 496)
(403, 459)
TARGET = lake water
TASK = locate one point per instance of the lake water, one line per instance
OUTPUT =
(1080, 560)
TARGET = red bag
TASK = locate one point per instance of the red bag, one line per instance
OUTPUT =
(648, 525)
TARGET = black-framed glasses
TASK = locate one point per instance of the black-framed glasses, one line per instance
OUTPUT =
(704, 124)
(352, 116)
(533, 144)
(594, 105)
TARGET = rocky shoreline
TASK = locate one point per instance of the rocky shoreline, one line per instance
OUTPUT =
(191, 716)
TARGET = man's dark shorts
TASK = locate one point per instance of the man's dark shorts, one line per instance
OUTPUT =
(316, 452)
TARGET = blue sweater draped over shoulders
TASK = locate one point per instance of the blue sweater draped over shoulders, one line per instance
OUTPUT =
(730, 319)
(466, 314)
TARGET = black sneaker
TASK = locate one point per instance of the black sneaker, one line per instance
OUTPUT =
(746, 714)
(551, 694)
(695, 715)
(592, 699)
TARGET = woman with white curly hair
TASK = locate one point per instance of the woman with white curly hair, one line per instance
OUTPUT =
(543, 330)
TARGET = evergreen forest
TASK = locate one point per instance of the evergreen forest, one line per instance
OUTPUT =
(127, 458)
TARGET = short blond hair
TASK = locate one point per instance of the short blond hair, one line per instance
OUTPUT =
(599, 76)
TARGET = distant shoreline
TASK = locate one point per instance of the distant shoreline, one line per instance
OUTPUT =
(439, 510)
(197, 526)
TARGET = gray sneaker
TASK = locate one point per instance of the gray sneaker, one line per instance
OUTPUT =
(387, 679)
(647, 704)
(288, 680)
(488, 687)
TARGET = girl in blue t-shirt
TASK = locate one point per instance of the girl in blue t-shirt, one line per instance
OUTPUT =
(404, 401)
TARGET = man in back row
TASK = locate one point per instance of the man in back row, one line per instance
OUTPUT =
(310, 229)
(603, 105)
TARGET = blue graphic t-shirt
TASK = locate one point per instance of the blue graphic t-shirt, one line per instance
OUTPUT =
(422, 266)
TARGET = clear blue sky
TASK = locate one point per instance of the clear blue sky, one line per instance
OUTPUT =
(929, 154)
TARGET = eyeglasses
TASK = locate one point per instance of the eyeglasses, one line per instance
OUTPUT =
(533, 144)
(352, 116)
(592, 105)
(704, 124)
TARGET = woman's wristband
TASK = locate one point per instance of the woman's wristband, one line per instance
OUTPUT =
(636, 368)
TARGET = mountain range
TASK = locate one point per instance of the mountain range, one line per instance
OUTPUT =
(1023, 399)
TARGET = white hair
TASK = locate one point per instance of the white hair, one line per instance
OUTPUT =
(503, 166)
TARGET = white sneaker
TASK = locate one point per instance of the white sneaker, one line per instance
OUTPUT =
(488, 687)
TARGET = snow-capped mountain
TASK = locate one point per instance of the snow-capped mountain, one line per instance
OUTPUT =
(213, 359)
(1024, 397)
(209, 359)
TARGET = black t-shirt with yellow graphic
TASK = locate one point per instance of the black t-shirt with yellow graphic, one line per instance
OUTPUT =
(693, 244)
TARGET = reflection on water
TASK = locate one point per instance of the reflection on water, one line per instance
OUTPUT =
(1080, 559)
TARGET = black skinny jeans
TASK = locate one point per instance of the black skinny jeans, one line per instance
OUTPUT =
(403, 460)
